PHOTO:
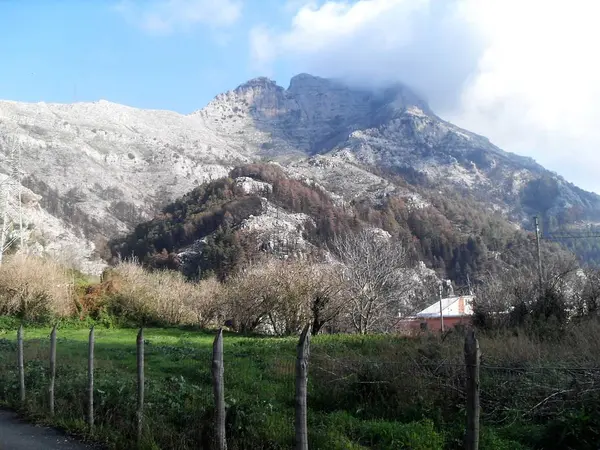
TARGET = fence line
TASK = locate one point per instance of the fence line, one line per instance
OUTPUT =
(543, 386)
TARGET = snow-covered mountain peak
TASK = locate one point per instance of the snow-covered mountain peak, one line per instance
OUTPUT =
(100, 168)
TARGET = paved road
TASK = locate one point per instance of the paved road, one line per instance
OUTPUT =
(18, 435)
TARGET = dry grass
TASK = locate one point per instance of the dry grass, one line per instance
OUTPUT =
(165, 296)
(34, 288)
(579, 346)
(207, 303)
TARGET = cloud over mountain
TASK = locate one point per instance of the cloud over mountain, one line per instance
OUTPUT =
(522, 73)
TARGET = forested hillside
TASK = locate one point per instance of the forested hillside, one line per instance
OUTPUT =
(452, 234)
(123, 171)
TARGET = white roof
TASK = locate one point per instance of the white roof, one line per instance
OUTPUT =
(449, 307)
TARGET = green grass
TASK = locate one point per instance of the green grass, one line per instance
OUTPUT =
(259, 381)
(365, 392)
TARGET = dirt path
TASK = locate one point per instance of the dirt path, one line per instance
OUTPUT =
(15, 434)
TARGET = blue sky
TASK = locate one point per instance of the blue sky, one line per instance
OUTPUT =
(75, 50)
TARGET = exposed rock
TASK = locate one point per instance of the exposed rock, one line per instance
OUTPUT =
(94, 170)
(248, 185)
(278, 231)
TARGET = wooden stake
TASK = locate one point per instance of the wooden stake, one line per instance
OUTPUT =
(303, 351)
(21, 365)
(219, 391)
(472, 360)
(140, 381)
(52, 369)
(91, 381)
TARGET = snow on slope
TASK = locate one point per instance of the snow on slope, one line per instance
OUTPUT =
(111, 165)
(100, 168)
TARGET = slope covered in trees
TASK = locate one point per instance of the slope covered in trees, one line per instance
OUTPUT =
(453, 234)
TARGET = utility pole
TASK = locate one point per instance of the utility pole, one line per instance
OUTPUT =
(469, 284)
(539, 253)
(441, 309)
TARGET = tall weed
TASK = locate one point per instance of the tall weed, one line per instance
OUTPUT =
(34, 288)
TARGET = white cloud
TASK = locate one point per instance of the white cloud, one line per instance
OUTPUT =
(525, 73)
(168, 16)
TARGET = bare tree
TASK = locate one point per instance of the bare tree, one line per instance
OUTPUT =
(280, 297)
(588, 301)
(249, 298)
(307, 291)
(376, 278)
(206, 302)
(512, 296)
(327, 300)
(291, 288)
(498, 294)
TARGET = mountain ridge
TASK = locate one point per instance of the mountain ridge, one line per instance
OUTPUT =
(100, 168)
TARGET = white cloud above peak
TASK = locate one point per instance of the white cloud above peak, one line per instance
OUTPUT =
(522, 72)
(169, 16)
(375, 42)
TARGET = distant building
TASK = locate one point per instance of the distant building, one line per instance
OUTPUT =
(455, 310)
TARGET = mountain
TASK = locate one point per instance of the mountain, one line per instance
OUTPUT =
(93, 171)
(259, 208)
(391, 129)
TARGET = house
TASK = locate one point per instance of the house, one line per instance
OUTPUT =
(455, 310)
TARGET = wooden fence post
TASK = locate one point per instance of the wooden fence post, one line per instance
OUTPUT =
(472, 358)
(140, 381)
(52, 369)
(303, 351)
(91, 380)
(219, 391)
(21, 365)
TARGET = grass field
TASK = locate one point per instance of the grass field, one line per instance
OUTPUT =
(540, 385)
(377, 392)
(259, 380)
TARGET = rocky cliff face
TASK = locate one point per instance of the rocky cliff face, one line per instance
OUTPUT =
(94, 170)
(390, 128)
(312, 116)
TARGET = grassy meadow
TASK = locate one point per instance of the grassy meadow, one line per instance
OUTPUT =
(259, 380)
(377, 392)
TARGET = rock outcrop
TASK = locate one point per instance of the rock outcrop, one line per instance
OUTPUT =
(94, 170)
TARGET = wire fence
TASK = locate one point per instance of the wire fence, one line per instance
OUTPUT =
(260, 386)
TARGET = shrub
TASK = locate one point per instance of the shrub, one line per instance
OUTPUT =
(35, 289)
(349, 432)
(574, 429)
(162, 297)
(489, 439)
(282, 296)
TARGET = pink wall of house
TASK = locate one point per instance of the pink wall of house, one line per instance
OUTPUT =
(433, 324)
